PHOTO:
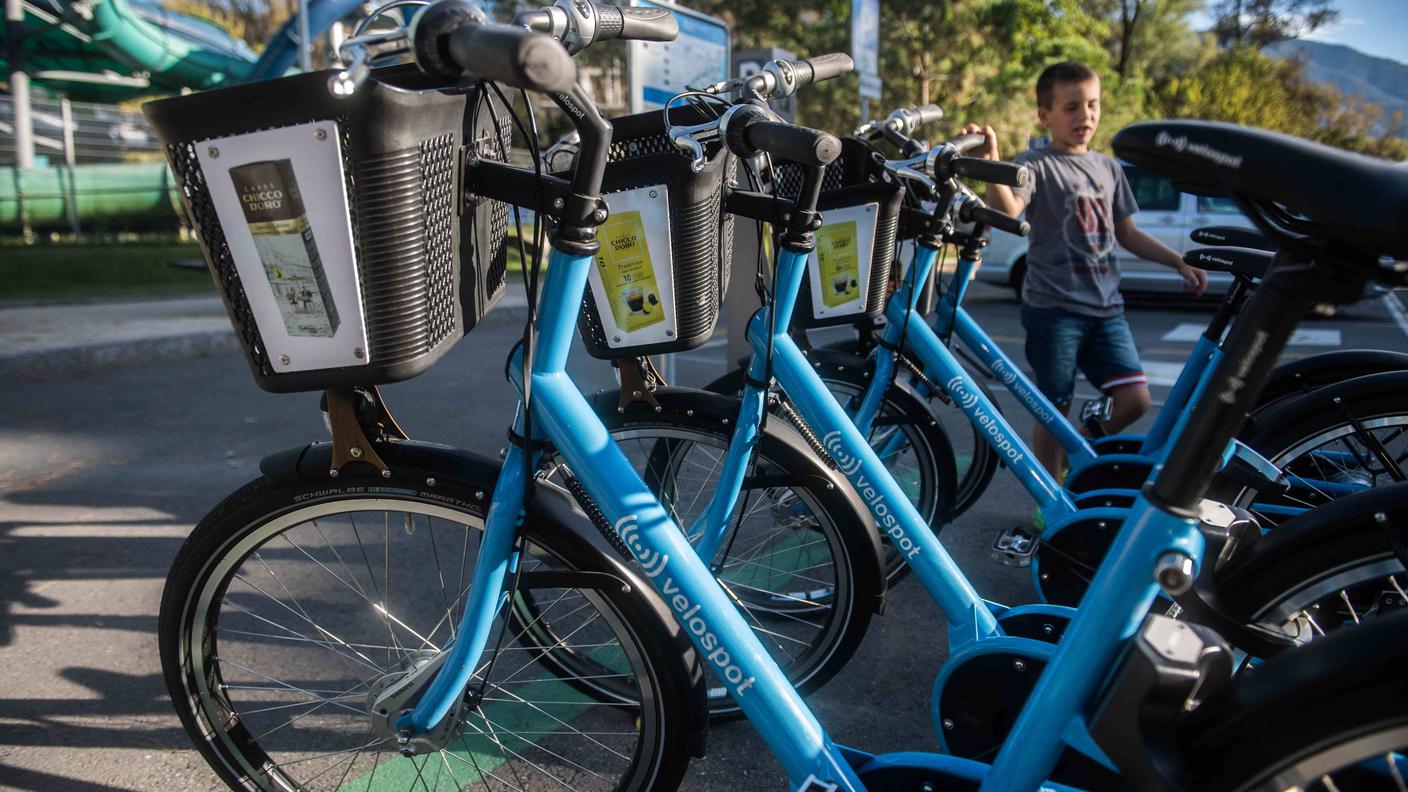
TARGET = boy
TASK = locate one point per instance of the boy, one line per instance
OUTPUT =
(1079, 205)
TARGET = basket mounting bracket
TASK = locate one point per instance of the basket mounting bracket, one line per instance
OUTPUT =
(639, 379)
(353, 413)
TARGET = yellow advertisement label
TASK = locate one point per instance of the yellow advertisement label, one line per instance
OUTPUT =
(627, 272)
(839, 263)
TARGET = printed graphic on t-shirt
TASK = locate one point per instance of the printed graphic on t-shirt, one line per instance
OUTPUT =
(1089, 235)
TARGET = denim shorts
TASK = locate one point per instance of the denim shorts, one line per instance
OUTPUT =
(1059, 342)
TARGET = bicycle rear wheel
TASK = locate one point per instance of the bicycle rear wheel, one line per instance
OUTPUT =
(910, 441)
(293, 605)
(1335, 441)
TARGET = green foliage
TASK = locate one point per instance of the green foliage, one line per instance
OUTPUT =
(1244, 86)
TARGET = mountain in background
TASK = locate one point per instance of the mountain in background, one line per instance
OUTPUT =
(1381, 81)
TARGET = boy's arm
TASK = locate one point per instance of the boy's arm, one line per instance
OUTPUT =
(999, 196)
(1146, 247)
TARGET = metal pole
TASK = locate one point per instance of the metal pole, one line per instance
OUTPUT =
(70, 158)
(305, 47)
(19, 84)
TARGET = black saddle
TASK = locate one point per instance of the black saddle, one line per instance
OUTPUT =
(1232, 236)
(1251, 264)
(1349, 199)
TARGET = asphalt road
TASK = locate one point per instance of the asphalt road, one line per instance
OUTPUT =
(102, 477)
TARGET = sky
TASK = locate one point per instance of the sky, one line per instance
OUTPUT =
(1375, 27)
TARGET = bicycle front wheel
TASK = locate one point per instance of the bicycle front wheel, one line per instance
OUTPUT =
(293, 606)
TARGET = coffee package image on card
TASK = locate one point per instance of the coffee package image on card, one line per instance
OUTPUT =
(273, 209)
(839, 261)
(628, 272)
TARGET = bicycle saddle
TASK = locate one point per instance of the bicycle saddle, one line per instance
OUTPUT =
(1232, 236)
(1245, 263)
(1349, 199)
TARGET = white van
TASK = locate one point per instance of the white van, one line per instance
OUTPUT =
(1164, 213)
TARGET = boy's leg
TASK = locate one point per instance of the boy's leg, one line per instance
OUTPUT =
(1111, 362)
(1053, 342)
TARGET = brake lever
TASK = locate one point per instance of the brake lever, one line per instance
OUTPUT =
(359, 52)
(684, 137)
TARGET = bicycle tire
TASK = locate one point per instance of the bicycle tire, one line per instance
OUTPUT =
(848, 586)
(1297, 377)
(197, 632)
(1328, 568)
(1298, 435)
(1322, 709)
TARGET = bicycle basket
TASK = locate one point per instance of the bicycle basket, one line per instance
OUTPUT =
(848, 275)
(332, 226)
(661, 212)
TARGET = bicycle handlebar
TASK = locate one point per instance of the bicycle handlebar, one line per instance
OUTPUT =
(966, 143)
(636, 24)
(973, 212)
(750, 128)
(992, 171)
(823, 67)
(450, 42)
(582, 23)
(792, 143)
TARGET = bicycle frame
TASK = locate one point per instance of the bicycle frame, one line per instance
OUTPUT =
(563, 417)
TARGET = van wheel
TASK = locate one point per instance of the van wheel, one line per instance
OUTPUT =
(1019, 274)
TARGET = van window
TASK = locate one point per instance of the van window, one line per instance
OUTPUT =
(1217, 205)
(1152, 193)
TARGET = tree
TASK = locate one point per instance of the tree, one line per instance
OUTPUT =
(1257, 23)
(253, 21)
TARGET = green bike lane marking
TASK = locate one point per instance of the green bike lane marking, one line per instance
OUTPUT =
(536, 721)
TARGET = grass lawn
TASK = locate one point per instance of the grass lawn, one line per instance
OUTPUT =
(135, 270)
(119, 271)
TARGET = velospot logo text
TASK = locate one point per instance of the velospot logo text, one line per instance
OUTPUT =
(885, 517)
(1009, 377)
(848, 464)
(686, 612)
(969, 400)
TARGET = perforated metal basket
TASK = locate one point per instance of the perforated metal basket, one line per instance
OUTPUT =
(416, 270)
(700, 239)
(853, 180)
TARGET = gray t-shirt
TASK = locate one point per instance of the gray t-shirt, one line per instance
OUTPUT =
(1073, 204)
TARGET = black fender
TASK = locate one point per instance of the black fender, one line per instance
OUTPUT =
(1327, 368)
(552, 510)
(706, 406)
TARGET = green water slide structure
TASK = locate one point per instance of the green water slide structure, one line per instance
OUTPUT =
(117, 50)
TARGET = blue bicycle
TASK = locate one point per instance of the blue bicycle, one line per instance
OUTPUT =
(303, 653)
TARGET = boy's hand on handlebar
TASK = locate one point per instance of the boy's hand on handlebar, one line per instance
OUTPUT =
(988, 150)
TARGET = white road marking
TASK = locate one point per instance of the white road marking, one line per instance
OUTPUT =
(1158, 372)
(1189, 332)
(1395, 308)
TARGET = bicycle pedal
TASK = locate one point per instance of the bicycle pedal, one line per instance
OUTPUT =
(1014, 547)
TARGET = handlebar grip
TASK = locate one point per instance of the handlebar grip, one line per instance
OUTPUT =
(823, 67)
(966, 143)
(1000, 220)
(993, 171)
(793, 143)
(635, 24)
(513, 56)
(926, 114)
